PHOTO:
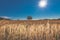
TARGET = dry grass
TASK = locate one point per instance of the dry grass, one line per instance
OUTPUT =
(14, 31)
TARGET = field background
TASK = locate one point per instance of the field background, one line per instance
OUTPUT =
(30, 30)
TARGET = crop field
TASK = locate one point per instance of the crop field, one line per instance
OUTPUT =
(30, 30)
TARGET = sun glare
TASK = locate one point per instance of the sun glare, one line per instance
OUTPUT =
(42, 3)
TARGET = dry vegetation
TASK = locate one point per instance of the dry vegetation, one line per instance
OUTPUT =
(30, 30)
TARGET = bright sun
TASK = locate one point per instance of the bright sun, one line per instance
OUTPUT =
(43, 3)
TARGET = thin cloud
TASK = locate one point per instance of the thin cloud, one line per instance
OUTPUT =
(5, 17)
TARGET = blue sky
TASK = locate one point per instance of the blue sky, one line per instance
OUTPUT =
(20, 9)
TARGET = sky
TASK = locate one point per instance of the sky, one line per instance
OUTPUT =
(20, 9)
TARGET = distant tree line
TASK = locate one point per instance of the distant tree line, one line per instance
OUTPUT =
(4, 18)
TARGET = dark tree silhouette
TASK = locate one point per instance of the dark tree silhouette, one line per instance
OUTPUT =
(29, 18)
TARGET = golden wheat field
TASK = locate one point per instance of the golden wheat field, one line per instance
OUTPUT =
(30, 30)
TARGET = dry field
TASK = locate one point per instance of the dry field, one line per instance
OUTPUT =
(30, 30)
